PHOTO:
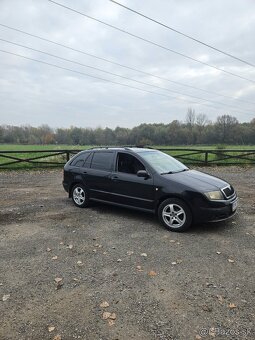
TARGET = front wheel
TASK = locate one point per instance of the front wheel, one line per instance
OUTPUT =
(175, 215)
(80, 196)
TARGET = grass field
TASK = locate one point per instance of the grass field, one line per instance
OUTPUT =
(184, 153)
(22, 147)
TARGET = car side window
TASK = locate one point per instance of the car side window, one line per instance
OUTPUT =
(128, 164)
(78, 161)
(102, 160)
(88, 160)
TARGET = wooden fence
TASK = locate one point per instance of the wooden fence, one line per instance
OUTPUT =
(35, 158)
(57, 158)
(207, 157)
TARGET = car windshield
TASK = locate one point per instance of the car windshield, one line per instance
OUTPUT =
(162, 163)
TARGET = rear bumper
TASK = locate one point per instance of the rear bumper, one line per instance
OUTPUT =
(66, 187)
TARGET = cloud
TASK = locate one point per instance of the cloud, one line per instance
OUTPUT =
(34, 93)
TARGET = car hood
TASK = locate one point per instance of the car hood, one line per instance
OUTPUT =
(197, 180)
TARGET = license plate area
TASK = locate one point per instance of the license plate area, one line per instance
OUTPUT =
(234, 206)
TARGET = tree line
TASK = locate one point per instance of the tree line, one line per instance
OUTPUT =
(197, 129)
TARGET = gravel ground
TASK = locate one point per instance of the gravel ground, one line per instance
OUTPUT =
(158, 284)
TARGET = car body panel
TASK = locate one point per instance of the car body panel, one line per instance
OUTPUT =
(197, 180)
(132, 190)
(98, 182)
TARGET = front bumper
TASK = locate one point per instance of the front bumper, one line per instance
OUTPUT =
(217, 211)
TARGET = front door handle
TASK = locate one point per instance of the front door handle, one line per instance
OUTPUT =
(114, 178)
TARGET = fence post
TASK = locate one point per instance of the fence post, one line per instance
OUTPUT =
(206, 157)
(67, 156)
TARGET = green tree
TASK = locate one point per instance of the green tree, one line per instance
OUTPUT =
(226, 127)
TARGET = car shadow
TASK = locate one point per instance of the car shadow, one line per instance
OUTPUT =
(121, 211)
(151, 218)
(211, 227)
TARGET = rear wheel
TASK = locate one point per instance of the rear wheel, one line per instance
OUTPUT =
(175, 215)
(80, 196)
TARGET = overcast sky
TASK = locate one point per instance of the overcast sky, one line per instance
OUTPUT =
(34, 93)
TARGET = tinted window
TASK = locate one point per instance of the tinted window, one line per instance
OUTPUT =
(88, 160)
(128, 163)
(102, 160)
(79, 160)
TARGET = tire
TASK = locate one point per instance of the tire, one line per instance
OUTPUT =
(80, 196)
(175, 215)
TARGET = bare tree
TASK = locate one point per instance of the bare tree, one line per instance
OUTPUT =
(190, 117)
(201, 122)
(190, 121)
(201, 119)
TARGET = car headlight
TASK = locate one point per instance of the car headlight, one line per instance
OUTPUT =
(214, 195)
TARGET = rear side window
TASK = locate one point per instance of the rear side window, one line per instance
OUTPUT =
(79, 160)
(102, 160)
(88, 160)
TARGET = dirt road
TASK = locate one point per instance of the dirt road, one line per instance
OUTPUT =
(59, 263)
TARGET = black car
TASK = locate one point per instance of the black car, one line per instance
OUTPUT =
(149, 180)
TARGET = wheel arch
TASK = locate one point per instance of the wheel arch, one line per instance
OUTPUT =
(72, 186)
(180, 197)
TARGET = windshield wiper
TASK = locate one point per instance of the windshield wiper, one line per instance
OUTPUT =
(173, 172)
(167, 173)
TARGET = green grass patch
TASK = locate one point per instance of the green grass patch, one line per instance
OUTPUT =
(22, 147)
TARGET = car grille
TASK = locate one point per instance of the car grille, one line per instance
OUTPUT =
(228, 191)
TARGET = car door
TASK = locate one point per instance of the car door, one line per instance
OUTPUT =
(129, 189)
(97, 177)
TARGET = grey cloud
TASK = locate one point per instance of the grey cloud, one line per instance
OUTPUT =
(36, 94)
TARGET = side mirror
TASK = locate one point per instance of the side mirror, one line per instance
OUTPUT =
(143, 173)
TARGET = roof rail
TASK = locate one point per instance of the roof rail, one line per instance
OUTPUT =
(138, 146)
(104, 147)
(120, 146)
